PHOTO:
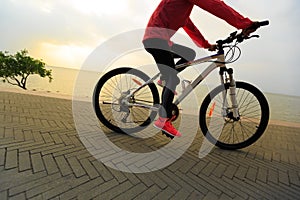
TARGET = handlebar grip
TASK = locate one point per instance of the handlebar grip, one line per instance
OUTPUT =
(264, 23)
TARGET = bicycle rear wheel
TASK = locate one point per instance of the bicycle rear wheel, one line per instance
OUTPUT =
(111, 106)
(222, 129)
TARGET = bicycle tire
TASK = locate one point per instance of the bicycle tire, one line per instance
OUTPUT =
(227, 133)
(109, 110)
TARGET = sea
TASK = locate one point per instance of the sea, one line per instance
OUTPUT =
(69, 83)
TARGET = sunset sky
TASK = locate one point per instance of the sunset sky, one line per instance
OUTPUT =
(64, 32)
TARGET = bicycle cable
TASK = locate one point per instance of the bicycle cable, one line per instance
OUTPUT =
(233, 50)
(232, 58)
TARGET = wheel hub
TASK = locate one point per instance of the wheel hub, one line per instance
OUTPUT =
(229, 117)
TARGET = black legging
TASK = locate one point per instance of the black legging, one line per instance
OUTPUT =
(164, 55)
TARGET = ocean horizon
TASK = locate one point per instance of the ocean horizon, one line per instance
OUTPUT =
(68, 83)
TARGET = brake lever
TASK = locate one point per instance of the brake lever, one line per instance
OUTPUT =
(241, 38)
(252, 36)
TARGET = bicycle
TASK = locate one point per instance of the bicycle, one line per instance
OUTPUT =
(232, 116)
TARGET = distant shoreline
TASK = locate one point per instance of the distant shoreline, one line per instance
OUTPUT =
(37, 93)
(70, 97)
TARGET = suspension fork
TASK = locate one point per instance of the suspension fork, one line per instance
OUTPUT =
(232, 92)
(224, 80)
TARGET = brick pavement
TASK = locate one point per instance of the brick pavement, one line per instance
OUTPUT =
(42, 157)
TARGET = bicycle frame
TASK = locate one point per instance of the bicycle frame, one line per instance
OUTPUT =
(218, 62)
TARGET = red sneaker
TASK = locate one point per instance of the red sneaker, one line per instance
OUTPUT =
(165, 125)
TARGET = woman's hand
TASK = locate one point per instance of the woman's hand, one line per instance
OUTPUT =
(213, 47)
(247, 31)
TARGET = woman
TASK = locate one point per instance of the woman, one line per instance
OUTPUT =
(168, 17)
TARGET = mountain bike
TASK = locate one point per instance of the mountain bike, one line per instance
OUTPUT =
(234, 115)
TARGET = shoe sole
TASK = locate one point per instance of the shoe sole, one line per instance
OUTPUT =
(170, 134)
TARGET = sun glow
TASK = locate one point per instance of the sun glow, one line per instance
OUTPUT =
(63, 55)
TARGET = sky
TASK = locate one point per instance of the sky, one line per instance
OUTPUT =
(63, 33)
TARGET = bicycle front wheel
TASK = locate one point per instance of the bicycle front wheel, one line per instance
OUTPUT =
(121, 114)
(222, 129)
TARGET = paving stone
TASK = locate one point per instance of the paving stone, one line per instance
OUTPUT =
(89, 168)
(117, 191)
(165, 194)
(20, 196)
(219, 170)
(195, 195)
(283, 178)
(149, 193)
(97, 189)
(251, 174)
(3, 195)
(209, 169)
(273, 176)
(63, 165)
(19, 135)
(132, 192)
(50, 164)
(76, 167)
(2, 156)
(181, 194)
(37, 162)
(102, 170)
(262, 174)
(24, 161)
(11, 159)
(294, 178)
(235, 187)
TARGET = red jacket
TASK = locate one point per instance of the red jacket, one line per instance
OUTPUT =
(170, 15)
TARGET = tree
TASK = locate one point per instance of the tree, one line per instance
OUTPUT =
(15, 69)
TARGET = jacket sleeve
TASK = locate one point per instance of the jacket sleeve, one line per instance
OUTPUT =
(195, 34)
(223, 11)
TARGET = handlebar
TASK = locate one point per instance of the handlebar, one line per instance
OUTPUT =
(264, 23)
(241, 36)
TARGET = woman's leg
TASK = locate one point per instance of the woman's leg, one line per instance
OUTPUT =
(163, 56)
(185, 54)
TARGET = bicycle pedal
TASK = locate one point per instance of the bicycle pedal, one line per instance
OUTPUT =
(166, 134)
